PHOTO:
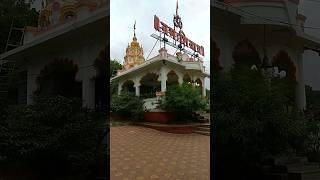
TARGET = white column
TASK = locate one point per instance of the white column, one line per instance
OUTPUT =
(88, 93)
(180, 78)
(300, 94)
(203, 88)
(163, 83)
(137, 90)
(119, 88)
(31, 86)
(163, 74)
(137, 87)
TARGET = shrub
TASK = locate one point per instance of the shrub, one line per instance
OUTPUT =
(253, 119)
(128, 105)
(313, 121)
(183, 100)
(54, 134)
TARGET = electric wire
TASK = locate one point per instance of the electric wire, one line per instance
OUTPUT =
(152, 49)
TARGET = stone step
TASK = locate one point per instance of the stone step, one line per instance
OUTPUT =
(301, 165)
(310, 176)
(202, 132)
(303, 168)
(204, 128)
(291, 160)
(204, 120)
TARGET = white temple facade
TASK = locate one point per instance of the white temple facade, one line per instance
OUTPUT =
(272, 30)
(69, 32)
(150, 79)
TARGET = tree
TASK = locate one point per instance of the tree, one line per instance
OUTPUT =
(313, 121)
(54, 136)
(18, 10)
(114, 66)
(252, 122)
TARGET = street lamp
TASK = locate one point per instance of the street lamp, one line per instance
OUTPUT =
(266, 66)
(268, 69)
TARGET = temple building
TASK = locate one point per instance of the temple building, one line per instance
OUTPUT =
(150, 78)
(267, 34)
(65, 54)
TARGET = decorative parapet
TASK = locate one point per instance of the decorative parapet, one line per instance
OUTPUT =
(163, 53)
(301, 19)
(59, 12)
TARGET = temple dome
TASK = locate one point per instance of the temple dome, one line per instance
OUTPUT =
(134, 54)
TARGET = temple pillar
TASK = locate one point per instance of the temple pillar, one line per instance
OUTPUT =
(137, 88)
(119, 88)
(300, 92)
(163, 83)
(203, 88)
(88, 93)
(31, 87)
(163, 78)
(180, 79)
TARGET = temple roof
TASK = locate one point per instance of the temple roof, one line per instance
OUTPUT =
(187, 65)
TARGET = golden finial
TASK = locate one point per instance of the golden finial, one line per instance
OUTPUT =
(134, 28)
(177, 8)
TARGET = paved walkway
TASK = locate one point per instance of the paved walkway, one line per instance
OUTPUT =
(143, 153)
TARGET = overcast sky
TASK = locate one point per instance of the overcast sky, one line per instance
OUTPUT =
(195, 16)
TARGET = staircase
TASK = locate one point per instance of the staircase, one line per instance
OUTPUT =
(300, 168)
(203, 129)
(202, 117)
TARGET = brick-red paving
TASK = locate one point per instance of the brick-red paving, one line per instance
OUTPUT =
(143, 153)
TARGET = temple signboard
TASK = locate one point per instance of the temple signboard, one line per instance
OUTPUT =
(177, 36)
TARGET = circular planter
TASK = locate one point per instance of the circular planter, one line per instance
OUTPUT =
(159, 117)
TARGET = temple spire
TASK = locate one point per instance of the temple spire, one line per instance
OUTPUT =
(177, 8)
(134, 52)
(134, 29)
(42, 5)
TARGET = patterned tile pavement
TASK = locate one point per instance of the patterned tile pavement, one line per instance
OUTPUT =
(140, 153)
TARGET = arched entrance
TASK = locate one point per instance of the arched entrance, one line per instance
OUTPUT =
(58, 78)
(216, 55)
(128, 86)
(173, 78)
(187, 78)
(245, 54)
(199, 83)
(283, 61)
(149, 85)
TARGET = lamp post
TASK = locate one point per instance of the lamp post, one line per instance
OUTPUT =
(268, 69)
(266, 66)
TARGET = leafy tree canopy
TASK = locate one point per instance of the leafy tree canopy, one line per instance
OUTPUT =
(114, 66)
(54, 135)
(18, 10)
(254, 118)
